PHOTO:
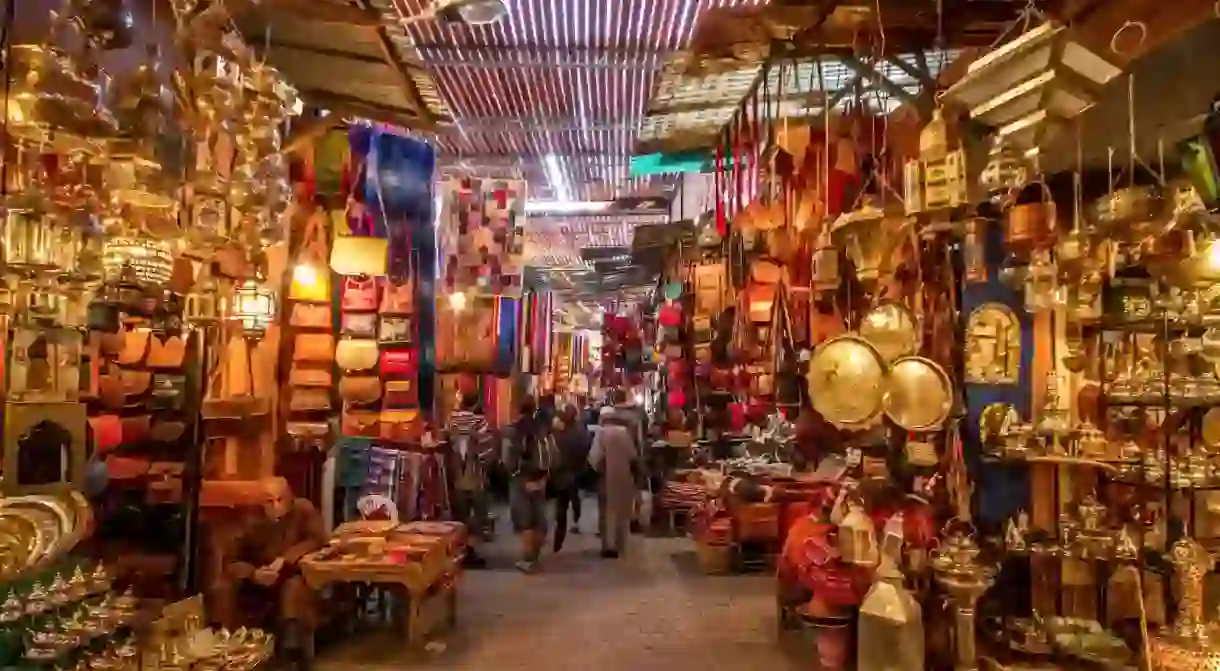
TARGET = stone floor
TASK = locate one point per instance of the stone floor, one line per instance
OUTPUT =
(650, 611)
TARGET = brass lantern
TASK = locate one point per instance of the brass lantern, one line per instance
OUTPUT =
(254, 306)
(871, 238)
(1027, 87)
(148, 261)
(857, 538)
(29, 240)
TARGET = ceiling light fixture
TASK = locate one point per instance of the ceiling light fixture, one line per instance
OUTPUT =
(554, 175)
(470, 12)
(566, 206)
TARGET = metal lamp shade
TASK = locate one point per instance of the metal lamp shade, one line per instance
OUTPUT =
(870, 239)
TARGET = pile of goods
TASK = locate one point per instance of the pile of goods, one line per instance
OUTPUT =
(416, 554)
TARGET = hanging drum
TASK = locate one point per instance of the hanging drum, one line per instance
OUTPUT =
(847, 382)
(892, 329)
(919, 396)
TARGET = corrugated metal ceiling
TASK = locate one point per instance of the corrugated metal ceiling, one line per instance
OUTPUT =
(565, 77)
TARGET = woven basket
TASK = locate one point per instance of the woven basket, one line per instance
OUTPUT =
(757, 521)
(714, 559)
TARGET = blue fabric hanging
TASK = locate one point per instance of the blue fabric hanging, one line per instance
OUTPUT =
(506, 347)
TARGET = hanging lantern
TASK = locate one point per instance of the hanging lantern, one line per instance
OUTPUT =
(254, 305)
(1041, 284)
(974, 250)
(857, 538)
(870, 238)
(200, 304)
(826, 266)
(1029, 86)
(140, 259)
(1029, 223)
(29, 240)
(890, 633)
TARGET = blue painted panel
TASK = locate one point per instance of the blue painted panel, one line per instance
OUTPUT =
(1000, 490)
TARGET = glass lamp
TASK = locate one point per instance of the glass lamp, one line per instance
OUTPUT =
(254, 305)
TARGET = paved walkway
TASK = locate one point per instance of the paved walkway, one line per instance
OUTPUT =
(650, 611)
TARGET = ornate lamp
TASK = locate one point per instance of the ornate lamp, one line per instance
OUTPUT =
(1029, 85)
(150, 261)
(254, 305)
(870, 238)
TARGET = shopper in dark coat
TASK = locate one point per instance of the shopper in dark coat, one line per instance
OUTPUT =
(572, 439)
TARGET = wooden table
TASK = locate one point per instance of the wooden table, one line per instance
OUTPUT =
(430, 594)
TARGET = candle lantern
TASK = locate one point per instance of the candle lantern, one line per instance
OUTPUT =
(254, 305)
(959, 572)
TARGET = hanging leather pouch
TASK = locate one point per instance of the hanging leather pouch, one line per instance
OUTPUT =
(110, 391)
(401, 394)
(309, 399)
(356, 354)
(317, 347)
(135, 429)
(360, 324)
(359, 295)
(135, 382)
(107, 433)
(303, 376)
(357, 423)
(398, 362)
(168, 353)
(167, 432)
(396, 331)
(399, 298)
(168, 392)
(135, 346)
(360, 390)
(310, 315)
(400, 425)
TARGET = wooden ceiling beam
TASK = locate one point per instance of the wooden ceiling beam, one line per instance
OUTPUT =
(316, 11)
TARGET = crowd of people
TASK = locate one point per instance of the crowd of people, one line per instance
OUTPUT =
(547, 456)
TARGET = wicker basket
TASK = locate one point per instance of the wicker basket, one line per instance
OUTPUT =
(757, 522)
(715, 559)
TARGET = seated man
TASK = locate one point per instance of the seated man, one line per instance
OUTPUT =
(259, 563)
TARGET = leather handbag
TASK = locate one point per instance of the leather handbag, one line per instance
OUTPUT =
(310, 315)
(359, 252)
(308, 399)
(399, 298)
(766, 272)
(311, 282)
(135, 429)
(303, 376)
(356, 354)
(168, 353)
(135, 346)
(398, 362)
(401, 394)
(359, 295)
(135, 382)
(396, 331)
(361, 390)
(400, 425)
(168, 392)
(317, 347)
(107, 433)
(167, 431)
(110, 391)
(307, 429)
(360, 324)
(364, 423)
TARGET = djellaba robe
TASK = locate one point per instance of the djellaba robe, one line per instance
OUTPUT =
(612, 455)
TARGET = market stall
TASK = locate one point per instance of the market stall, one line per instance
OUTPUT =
(993, 341)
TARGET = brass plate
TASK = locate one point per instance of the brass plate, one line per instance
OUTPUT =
(919, 396)
(892, 329)
(21, 543)
(1211, 430)
(847, 382)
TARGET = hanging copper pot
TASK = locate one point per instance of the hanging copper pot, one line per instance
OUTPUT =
(1030, 224)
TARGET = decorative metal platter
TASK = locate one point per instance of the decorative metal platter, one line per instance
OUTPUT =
(892, 329)
(21, 543)
(847, 382)
(919, 396)
(38, 528)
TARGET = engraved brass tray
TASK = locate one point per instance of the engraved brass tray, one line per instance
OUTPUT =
(919, 396)
(847, 381)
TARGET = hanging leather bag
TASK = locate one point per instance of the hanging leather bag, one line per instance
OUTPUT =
(312, 284)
